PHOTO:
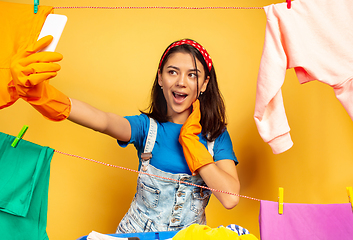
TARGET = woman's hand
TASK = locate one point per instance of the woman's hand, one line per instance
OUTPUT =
(195, 153)
(31, 71)
(221, 175)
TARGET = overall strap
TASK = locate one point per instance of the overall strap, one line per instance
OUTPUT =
(210, 146)
(151, 137)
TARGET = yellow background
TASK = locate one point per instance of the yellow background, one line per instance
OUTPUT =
(110, 60)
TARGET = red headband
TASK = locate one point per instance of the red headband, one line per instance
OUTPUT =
(201, 49)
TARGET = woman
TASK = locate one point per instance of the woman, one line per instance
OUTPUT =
(186, 116)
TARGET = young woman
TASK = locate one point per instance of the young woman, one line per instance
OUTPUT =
(185, 99)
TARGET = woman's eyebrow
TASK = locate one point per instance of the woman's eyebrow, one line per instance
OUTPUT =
(191, 70)
(173, 67)
(194, 70)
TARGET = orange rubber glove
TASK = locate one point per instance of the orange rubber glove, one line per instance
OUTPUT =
(8, 94)
(195, 153)
(31, 71)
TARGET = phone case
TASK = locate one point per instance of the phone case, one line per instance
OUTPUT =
(53, 25)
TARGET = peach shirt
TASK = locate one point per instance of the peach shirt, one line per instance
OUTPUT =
(315, 37)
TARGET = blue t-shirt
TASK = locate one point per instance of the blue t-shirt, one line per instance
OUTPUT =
(167, 153)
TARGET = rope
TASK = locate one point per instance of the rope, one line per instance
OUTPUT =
(152, 175)
(161, 7)
(164, 8)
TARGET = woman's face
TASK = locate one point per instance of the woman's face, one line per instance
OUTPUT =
(179, 82)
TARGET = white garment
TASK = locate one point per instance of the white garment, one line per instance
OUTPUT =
(99, 236)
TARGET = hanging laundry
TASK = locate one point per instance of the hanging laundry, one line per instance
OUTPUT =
(306, 221)
(19, 28)
(315, 38)
(24, 182)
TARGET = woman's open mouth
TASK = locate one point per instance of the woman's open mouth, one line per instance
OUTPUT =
(179, 97)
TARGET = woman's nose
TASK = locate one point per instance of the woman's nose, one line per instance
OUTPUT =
(181, 81)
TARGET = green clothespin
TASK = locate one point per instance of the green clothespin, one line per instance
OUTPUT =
(36, 4)
(19, 136)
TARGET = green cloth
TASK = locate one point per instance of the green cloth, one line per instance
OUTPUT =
(24, 183)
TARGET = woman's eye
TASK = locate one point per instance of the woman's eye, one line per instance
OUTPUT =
(193, 75)
(172, 72)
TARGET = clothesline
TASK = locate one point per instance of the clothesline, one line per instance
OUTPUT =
(152, 175)
(159, 7)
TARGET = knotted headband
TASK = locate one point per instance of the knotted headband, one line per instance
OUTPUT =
(200, 48)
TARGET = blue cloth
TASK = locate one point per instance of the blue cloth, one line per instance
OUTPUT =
(238, 229)
(168, 154)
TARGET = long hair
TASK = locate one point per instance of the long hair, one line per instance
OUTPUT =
(213, 119)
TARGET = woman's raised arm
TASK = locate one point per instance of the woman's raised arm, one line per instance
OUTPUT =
(98, 120)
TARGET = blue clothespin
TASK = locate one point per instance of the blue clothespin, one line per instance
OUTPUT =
(36, 4)
(19, 136)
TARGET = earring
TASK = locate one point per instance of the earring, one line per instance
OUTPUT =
(162, 87)
(201, 93)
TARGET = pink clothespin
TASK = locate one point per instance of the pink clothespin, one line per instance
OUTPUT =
(289, 4)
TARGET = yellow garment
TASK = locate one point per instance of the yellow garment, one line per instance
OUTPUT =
(203, 232)
(19, 28)
(31, 71)
(195, 153)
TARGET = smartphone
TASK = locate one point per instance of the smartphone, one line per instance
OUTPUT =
(53, 25)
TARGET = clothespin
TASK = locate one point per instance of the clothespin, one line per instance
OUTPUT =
(280, 200)
(19, 136)
(350, 195)
(289, 4)
(36, 4)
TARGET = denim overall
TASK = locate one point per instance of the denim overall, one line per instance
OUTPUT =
(161, 204)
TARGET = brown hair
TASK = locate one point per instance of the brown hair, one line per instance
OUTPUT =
(213, 120)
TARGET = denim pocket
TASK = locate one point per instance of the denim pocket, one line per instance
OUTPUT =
(149, 195)
(200, 197)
